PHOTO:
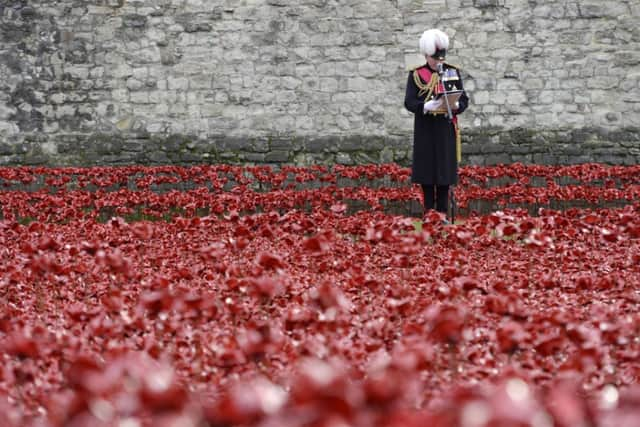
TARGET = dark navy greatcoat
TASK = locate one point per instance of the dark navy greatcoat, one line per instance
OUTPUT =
(434, 138)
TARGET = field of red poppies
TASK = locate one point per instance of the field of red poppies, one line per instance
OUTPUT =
(230, 296)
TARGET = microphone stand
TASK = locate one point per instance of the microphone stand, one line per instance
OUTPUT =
(452, 200)
(444, 91)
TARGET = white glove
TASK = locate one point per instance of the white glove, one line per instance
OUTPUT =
(434, 104)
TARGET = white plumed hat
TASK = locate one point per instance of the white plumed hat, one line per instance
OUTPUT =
(432, 41)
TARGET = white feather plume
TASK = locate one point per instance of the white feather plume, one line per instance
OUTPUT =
(432, 40)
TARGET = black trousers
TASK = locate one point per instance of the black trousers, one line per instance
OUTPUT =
(436, 196)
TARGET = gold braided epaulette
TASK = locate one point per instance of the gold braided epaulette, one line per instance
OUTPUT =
(415, 67)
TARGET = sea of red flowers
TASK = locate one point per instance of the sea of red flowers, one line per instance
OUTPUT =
(290, 297)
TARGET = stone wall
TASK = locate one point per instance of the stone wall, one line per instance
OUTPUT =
(305, 81)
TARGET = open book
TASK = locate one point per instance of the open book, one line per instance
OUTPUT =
(452, 97)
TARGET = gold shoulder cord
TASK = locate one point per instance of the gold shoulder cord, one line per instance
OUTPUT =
(428, 90)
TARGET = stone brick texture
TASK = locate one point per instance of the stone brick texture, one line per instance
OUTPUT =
(311, 81)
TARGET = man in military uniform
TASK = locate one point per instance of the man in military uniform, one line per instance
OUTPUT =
(436, 138)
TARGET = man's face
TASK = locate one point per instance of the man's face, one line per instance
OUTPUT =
(433, 61)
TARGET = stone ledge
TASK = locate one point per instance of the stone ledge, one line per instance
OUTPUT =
(487, 147)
